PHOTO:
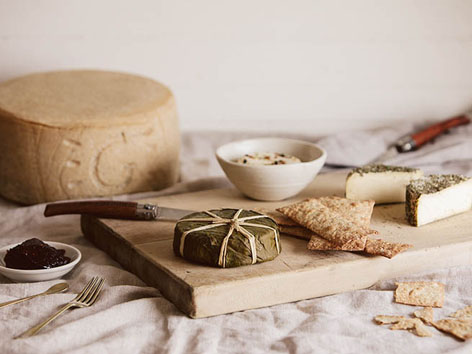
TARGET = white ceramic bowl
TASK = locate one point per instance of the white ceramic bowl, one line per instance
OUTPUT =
(271, 182)
(21, 275)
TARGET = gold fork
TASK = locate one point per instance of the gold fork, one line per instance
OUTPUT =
(85, 298)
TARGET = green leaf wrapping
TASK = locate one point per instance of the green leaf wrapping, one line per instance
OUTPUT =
(204, 246)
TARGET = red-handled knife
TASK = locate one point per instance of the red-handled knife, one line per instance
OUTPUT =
(116, 210)
(416, 140)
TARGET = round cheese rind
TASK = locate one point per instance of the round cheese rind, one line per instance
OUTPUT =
(81, 134)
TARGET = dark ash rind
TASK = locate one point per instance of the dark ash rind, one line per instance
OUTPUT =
(377, 168)
(427, 185)
(204, 246)
(411, 206)
(435, 183)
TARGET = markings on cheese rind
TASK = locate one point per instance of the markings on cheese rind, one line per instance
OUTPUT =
(73, 184)
(73, 163)
(148, 132)
(71, 142)
(70, 185)
(129, 168)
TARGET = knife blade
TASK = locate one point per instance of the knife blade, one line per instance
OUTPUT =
(414, 141)
(114, 209)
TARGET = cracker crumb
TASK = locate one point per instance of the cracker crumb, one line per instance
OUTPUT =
(383, 248)
(388, 319)
(414, 325)
(466, 312)
(425, 314)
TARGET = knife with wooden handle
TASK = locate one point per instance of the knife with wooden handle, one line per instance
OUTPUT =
(414, 141)
(113, 209)
(418, 139)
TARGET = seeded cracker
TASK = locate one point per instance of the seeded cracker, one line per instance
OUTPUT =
(461, 328)
(466, 312)
(384, 248)
(406, 323)
(425, 314)
(317, 243)
(356, 211)
(374, 247)
(420, 293)
(359, 212)
(388, 319)
(412, 323)
(279, 218)
(421, 330)
(327, 223)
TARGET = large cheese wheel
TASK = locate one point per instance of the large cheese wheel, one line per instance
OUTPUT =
(77, 134)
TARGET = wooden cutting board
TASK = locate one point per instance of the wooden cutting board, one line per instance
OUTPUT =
(145, 248)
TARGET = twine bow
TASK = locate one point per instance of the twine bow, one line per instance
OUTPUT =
(235, 224)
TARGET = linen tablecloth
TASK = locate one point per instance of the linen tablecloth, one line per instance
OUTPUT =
(131, 317)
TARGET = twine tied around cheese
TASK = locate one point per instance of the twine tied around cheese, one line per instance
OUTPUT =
(235, 224)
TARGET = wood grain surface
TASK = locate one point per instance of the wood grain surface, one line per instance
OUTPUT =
(145, 248)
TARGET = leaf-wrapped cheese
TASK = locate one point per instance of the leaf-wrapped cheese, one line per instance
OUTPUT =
(227, 237)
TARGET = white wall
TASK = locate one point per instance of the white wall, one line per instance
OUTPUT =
(300, 65)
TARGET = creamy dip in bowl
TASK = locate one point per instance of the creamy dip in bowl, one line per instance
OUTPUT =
(268, 158)
(271, 181)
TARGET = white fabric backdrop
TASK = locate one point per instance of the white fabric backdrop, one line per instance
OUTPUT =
(131, 317)
(256, 65)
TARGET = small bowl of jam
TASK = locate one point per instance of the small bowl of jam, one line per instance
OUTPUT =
(35, 260)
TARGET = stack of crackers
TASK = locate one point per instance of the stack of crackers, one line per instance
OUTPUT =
(429, 295)
(334, 224)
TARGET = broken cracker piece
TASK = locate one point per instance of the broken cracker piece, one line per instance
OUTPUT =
(421, 329)
(317, 243)
(425, 314)
(410, 324)
(406, 323)
(328, 224)
(466, 312)
(383, 248)
(305, 234)
(421, 293)
(461, 328)
(387, 319)
(374, 247)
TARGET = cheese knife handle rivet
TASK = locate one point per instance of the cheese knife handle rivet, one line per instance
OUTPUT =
(147, 211)
(105, 209)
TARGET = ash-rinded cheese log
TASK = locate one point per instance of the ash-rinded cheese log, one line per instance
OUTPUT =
(382, 183)
(83, 133)
(437, 197)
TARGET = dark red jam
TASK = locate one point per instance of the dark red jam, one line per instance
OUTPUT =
(35, 254)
